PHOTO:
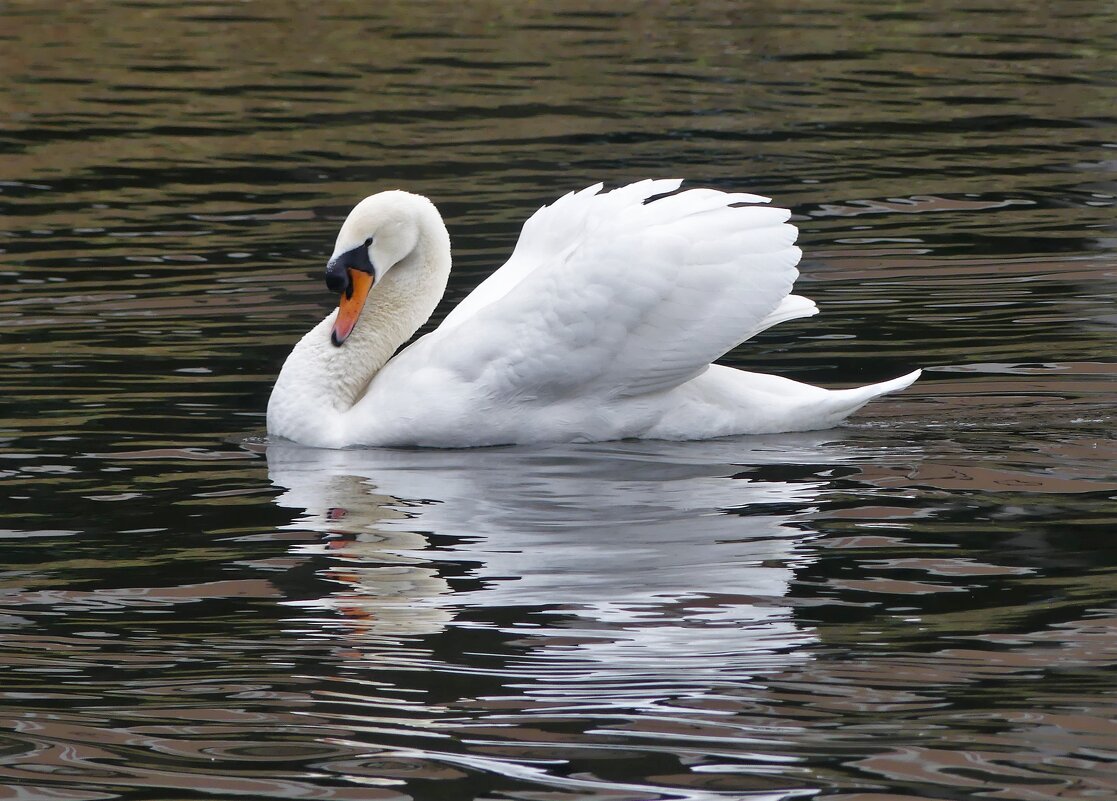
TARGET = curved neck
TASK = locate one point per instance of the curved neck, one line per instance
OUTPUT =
(320, 381)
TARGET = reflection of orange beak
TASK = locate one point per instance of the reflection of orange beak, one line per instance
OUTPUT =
(352, 301)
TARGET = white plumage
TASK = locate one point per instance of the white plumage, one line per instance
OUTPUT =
(602, 325)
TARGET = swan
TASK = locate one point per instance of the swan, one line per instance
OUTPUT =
(602, 325)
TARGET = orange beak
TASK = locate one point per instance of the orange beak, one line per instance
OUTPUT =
(352, 301)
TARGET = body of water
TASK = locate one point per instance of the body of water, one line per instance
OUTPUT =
(921, 604)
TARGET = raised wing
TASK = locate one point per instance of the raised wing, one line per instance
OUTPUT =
(552, 230)
(607, 295)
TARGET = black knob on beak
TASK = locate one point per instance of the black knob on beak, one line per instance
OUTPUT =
(337, 276)
(337, 271)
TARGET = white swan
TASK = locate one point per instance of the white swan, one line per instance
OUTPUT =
(602, 325)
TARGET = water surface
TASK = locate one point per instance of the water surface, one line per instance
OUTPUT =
(920, 604)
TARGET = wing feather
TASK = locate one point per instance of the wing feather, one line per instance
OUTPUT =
(550, 231)
(610, 295)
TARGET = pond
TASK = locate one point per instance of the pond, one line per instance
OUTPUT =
(919, 604)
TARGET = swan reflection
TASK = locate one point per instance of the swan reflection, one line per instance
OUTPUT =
(637, 555)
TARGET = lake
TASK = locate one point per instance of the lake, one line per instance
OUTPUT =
(921, 604)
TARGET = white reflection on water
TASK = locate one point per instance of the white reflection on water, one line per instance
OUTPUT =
(661, 563)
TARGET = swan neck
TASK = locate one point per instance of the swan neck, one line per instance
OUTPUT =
(321, 382)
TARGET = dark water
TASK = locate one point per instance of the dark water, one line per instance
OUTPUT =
(919, 605)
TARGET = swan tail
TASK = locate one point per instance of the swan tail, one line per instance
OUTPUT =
(844, 402)
(729, 401)
(870, 391)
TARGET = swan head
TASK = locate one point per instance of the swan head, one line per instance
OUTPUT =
(381, 232)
